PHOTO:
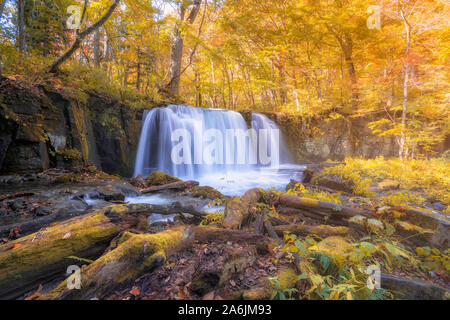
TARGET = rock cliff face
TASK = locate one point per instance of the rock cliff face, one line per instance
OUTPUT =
(43, 127)
(319, 139)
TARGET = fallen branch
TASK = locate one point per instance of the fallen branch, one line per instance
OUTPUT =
(321, 231)
(181, 185)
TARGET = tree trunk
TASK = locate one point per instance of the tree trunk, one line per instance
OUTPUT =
(177, 46)
(97, 48)
(80, 37)
(20, 25)
(405, 86)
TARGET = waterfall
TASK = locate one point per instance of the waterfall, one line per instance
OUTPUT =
(208, 145)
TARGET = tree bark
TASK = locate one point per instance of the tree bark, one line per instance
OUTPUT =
(134, 255)
(29, 261)
(327, 208)
(20, 25)
(177, 45)
(405, 86)
(97, 48)
(80, 37)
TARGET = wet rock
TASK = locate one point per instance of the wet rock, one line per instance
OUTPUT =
(138, 182)
(441, 236)
(307, 175)
(42, 211)
(414, 289)
(438, 206)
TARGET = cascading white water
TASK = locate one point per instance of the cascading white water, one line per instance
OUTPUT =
(212, 146)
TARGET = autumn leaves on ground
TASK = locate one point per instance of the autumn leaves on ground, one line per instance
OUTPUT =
(325, 236)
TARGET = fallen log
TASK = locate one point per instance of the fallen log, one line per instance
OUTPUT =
(41, 256)
(312, 216)
(29, 261)
(134, 255)
(205, 234)
(322, 231)
(329, 208)
(181, 185)
(149, 209)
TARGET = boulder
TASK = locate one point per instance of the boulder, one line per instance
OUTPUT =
(205, 192)
(412, 289)
(158, 178)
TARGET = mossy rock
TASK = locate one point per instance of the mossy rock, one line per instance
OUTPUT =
(206, 193)
(158, 178)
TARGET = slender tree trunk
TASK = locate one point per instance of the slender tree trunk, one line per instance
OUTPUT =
(76, 45)
(405, 87)
(97, 48)
(20, 25)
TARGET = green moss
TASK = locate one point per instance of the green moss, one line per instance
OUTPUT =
(38, 253)
(158, 178)
(71, 155)
(206, 192)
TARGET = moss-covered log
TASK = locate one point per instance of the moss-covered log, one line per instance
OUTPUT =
(148, 209)
(321, 231)
(134, 255)
(38, 257)
(329, 208)
(205, 234)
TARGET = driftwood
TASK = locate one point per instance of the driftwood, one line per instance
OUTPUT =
(181, 185)
(134, 255)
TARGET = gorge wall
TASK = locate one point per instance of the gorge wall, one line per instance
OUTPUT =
(44, 126)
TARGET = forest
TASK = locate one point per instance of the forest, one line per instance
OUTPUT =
(224, 149)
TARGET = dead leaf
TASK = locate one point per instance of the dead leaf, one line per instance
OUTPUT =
(135, 291)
